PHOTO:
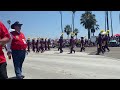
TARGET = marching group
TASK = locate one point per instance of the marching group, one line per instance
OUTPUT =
(17, 45)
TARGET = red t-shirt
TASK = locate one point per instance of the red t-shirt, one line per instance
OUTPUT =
(18, 41)
(3, 33)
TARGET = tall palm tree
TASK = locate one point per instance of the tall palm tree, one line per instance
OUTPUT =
(107, 20)
(73, 17)
(88, 20)
(9, 22)
(96, 27)
(111, 22)
(61, 21)
(76, 31)
(119, 17)
(68, 30)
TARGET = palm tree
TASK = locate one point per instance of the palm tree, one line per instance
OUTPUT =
(68, 30)
(73, 17)
(111, 22)
(9, 22)
(76, 31)
(88, 20)
(61, 21)
(96, 27)
(107, 20)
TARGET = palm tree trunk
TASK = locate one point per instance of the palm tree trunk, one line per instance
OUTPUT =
(93, 34)
(111, 22)
(107, 21)
(72, 22)
(88, 33)
(76, 36)
(73, 17)
(61, 21)
(119, 17)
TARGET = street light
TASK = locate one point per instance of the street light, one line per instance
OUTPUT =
(9, 22)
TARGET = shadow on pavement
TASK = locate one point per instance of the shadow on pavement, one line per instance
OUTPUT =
(12, 77)
(57, 53)
(93, 53)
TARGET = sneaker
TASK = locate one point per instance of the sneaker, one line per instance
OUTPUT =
(19, 77)
(23, 76)
(74, 51)
(97, 54)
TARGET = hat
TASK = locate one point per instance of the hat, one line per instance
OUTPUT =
(16, 24)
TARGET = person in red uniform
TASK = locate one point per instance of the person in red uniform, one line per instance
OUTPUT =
(17, 48)
(4, 38)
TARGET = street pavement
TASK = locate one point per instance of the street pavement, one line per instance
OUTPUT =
(55, 65)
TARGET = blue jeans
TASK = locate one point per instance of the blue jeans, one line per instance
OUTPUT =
(18, 59)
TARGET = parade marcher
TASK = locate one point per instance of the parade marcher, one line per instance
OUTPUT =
(48, 44)
(33, 44)
(42, 45)
(45, 43)
(37, 45)
(17, 48)
(61, 44)
(58, 45)
(99, 45)
(103, 42)
(4, 38)
(106, 43)
(82, 44)
(28, 44)
(72, 44)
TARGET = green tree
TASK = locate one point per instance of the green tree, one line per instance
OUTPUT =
(68, 30)
(88, 20)
(76, 31)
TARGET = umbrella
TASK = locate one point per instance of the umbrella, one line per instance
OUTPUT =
(117, 35)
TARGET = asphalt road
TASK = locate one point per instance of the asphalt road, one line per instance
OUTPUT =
(53, 65)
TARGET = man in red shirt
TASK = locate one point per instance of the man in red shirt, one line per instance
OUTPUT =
(17, 48)
(4, 38)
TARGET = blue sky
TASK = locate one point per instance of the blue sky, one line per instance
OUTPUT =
(47, 23)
